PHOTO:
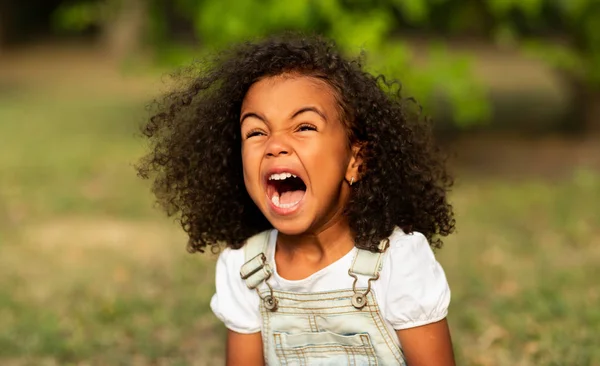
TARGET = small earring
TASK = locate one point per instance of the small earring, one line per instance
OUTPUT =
(351, 180)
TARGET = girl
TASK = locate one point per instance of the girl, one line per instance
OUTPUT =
(328, 192)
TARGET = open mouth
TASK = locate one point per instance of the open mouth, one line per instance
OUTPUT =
(285, 190)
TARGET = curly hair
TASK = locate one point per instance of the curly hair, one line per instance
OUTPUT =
(196, 164)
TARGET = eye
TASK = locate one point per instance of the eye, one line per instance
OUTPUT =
(306, 127)
(253, 133)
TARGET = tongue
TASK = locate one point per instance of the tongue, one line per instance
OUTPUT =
(291, 197)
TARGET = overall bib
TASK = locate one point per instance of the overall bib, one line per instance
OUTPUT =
(343, 327)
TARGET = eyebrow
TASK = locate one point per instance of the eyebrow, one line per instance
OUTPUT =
(309, 109)
(251, 114)
(296, 114)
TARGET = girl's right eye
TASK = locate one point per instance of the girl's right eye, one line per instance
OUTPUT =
(254, 133)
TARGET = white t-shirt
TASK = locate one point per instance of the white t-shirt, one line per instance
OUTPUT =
(411, 291)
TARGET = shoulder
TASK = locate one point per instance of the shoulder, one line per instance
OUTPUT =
(231, 258)
(410, 246)
(410, 255)
(233, 302)
(415, 289)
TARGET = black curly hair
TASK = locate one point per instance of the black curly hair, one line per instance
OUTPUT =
(196, 163)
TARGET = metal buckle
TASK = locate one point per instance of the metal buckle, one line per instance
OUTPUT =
(359, 299)
(264, 260)
(269, 301)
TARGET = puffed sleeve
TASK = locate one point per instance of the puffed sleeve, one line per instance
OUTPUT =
(233, 302)
(417, 292)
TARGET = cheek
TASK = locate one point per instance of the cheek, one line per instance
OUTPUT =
(335, 153)
(327, 161)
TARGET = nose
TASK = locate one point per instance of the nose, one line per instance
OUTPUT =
(277, 145)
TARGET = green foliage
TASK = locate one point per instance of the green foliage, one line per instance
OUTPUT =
(355, 25)
(78, 17)
(370, 25)
(560, 56)
(576, 22)
(417, 12)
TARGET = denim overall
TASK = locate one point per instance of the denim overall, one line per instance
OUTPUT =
(343, 327)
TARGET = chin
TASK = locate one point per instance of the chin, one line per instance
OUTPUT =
(290, 227)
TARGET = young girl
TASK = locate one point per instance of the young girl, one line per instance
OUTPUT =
(328, 193)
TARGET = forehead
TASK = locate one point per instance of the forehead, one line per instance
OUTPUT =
(285, 92)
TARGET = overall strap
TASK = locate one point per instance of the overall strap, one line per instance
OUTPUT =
(256, 269)
(367, 263)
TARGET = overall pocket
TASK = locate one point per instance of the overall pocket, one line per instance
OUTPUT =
(324, 348)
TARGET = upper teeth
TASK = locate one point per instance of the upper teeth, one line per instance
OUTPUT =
(281, 176)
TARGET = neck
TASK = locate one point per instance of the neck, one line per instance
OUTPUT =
(331, 241)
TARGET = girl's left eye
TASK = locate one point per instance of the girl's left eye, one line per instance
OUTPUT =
(307, 127)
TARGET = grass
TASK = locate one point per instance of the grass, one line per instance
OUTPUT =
(92, 274)
(523, 269)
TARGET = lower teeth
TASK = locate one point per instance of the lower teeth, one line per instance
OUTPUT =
(275, 200)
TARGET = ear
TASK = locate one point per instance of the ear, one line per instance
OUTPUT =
(356, 161)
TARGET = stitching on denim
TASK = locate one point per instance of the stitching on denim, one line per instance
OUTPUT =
(289, 306)
(352, 356)
(313, 323)
(316, 296)
(315, 320)
(362, 349)
(302, 355)
(279, 349)
(351, 361)
(370, 349)
(325, 309)
(266, 317)
(378, 320)
(350, 311)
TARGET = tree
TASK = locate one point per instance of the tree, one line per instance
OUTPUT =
(125, 28)
(355, 25)
(122, 23)
(563, 33)
(4, 22)
(576, 56)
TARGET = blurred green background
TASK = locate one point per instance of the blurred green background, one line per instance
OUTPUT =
(91, 273)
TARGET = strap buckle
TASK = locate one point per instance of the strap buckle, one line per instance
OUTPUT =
(359, 299)
(263, 260)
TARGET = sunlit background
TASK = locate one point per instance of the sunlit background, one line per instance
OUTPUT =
(91, 273)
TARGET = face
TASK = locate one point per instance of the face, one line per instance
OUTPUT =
(296, 156)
